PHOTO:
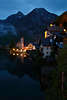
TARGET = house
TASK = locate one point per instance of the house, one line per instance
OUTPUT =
(52, 40)
(46, 51)
(45, 47)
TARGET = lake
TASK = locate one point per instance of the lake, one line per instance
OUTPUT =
(19, 80)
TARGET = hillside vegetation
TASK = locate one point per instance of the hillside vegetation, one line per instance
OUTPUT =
(62, 19)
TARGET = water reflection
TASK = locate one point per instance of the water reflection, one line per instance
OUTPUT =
(19, 70)
(20, 66)
(12, 86)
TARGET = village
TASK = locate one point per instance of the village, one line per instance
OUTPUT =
(33, 49)
(53, 38)
(46, 55)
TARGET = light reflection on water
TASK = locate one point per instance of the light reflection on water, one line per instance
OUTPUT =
(11, 85)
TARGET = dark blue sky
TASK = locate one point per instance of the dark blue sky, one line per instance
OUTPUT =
(8, 7)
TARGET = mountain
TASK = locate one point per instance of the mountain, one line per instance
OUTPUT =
(31, 25)
(6, 28)
(13, 19)
(7, 33)
(62, 19)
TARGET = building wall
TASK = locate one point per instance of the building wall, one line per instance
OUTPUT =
(46, 51)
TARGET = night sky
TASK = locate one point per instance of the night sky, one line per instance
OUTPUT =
(8, 7)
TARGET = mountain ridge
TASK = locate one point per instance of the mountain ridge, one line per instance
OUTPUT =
(31, 24)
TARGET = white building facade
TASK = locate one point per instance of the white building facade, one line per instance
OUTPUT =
(46, 50)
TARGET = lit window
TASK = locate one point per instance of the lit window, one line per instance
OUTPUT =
(13, 49)
(17, 50)
(51, 25)
(17, 54)
(64, 30)
(21, 50)
(13, 54)
(45, 34)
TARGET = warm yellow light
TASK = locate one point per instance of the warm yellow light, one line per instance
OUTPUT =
(13, 49)
(17, 54)
(24, 50)
(34, 48)
(21, 54)
(13, 54)
(21, 50)
(64, 30)
(17, 49)
(25, 56)
(26, 47)
(45, 34)
(51, 25)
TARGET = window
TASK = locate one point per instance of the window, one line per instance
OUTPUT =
(47, 52)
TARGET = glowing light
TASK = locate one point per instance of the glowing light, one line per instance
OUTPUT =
(26, 47)
(45, 34)
(17, 49)
(21, 50)
(64, 30)
(17, 54)
(13, 49)
(55, 37)
(21, 54)
(25, 56)
(34, 48)
(51, 25)
(24, 50)
(13, 54)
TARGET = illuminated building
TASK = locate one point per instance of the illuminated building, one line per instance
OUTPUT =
(21, 46)
(21, 50)
(45, 34)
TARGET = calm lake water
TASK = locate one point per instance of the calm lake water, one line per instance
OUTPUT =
(19, 80)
